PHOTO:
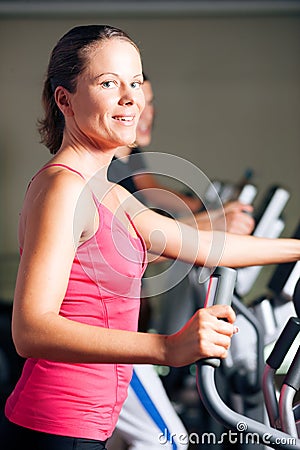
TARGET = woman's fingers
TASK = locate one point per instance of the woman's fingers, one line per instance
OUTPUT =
(216, 327)
(207, 334)
(222, 312)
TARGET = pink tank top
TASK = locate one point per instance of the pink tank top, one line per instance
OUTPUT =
(84, 400)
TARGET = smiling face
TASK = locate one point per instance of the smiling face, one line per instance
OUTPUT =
(105, 109)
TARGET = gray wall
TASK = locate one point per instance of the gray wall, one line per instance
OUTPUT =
(227, 95)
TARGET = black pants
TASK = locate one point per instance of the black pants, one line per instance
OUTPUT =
(14, 437)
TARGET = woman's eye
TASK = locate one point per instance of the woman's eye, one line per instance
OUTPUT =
(108, 84)
(136, 84)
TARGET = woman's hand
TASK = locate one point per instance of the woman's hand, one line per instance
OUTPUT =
(207, 334)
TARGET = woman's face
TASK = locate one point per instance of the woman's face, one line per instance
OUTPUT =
(109, 98)
(144, 128)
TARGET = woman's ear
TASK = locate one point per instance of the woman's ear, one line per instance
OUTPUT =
(62, 98)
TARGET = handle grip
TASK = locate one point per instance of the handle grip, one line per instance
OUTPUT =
(220, 292)
(221, 287)
(284, 343)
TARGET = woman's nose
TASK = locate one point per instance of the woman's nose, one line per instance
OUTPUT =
(127, 96)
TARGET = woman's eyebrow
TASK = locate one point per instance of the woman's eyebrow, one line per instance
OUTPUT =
(115, 75)
(105, 73)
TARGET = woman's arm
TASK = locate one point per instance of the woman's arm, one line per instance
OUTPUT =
(55, 221)
(174, 239)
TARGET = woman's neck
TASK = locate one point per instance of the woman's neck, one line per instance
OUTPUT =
(87, 162)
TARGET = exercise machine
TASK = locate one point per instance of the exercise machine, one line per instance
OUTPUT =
(221, 290)
(280, 405)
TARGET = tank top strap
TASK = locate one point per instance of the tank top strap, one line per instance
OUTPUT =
(58, 165)
(69, 168)
(139, 236)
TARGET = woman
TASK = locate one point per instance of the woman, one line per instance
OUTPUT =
(83, 242)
